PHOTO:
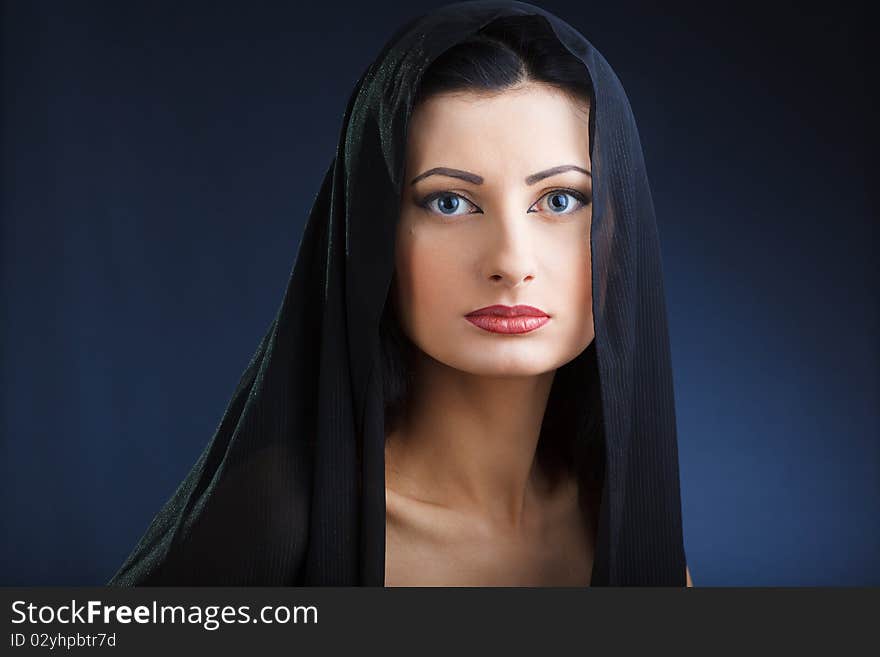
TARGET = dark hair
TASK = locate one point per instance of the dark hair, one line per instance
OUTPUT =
(505, 53)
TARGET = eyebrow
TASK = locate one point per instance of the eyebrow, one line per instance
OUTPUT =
(478, 180)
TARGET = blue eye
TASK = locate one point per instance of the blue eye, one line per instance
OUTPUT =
(448, 203)
(559, 200)
(556, 201)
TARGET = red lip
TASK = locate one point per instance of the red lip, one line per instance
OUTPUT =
(509, 311)
(508, 319)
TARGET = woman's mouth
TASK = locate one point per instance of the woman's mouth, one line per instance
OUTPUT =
(508, 319)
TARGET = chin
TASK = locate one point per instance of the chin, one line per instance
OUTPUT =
(501, 363)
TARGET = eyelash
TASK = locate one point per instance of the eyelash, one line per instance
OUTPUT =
(430, 198)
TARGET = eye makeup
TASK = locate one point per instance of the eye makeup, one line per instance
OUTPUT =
(583, 200)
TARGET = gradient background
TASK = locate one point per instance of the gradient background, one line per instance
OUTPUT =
(158, 165)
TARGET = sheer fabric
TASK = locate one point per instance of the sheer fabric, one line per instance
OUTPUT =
(290, 489)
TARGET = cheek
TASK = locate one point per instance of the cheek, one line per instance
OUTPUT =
(585, 294)
(585, 279)
(428, 277)
(572, 279)
(585, 268)
(572, 264)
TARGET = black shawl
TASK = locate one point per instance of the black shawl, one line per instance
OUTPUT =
(290, 490)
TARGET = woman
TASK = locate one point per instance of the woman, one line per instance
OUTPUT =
(390, 430)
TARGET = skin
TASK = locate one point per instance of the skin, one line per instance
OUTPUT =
(466, 503)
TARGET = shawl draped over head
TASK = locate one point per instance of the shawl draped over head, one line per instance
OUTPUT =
(290, 489)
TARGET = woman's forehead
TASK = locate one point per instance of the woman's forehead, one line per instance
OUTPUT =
(508, 130)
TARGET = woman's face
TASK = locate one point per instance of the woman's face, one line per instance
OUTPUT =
(505, 234)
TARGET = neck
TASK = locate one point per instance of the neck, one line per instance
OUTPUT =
(468, 442)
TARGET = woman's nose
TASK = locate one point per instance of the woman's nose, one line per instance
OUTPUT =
(509, 257)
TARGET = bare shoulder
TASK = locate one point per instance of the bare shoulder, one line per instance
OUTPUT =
(687, 573)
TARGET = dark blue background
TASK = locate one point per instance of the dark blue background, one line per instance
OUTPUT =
(158, 163)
